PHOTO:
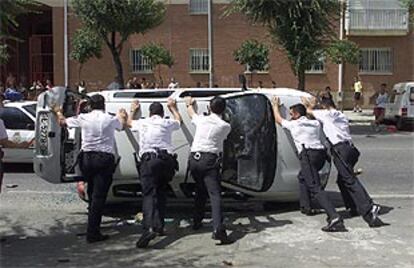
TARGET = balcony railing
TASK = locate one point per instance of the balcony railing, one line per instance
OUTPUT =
(377, 21)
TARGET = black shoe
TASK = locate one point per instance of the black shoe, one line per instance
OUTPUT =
(96, 238)
(222, 236)
(335, 225)
(197, 225)
(372, 217)
(160, 231)
(352, 212)
(145, 238)
(310, 211)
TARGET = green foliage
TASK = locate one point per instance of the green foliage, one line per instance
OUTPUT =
(301, 27)
(4, 55)
(254, 54)
(86, 44)
(343, 51)
(115, 20)
(157, 55)
(410, 5)
(9, 10)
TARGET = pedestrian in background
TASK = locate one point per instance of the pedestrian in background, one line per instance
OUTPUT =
(380, 103)
(205, 163)
(97, 161)
(157, 163)
(173, 84)
(358, 88)
(345, 156)
(312, 155)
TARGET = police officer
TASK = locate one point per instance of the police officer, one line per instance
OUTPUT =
(312, 156)
(157, 164)
(345, 155)
(97, 162)
(204, 162)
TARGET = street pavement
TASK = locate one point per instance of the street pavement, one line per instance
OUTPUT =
(42, 225)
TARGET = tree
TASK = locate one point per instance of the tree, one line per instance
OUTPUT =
(253, 54)
(86, 44)
(300, 27)
(410, 6)
(158, 55)
(343, 51)
(115, 20)
(9, 10)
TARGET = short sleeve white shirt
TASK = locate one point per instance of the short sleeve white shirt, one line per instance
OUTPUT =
(211, 131)
(304, 132)
(3, 132)
(98, 130)
(335, 125)
(154, 133)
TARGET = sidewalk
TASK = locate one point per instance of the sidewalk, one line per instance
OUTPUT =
(364, 118)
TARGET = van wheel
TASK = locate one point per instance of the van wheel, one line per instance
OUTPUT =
(400, 124)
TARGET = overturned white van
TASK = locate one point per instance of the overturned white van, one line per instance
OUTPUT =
(259, 159)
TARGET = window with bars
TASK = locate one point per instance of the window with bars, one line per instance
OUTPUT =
(139, 63)
(198, 7)
(199, 60)
(375, 60)
(318, 67)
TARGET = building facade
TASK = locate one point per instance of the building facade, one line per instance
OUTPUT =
(381, 28)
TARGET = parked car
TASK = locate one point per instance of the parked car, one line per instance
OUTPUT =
(259, 161)
(400, 109)
(19, 119)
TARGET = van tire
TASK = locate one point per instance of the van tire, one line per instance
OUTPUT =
(400, 123)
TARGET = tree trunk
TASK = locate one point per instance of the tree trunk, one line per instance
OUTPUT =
(301, 80)
(159, 76)
(118, 67)
(79, 72)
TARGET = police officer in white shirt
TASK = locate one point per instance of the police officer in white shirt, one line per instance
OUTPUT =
(97, 161)
(157, 164)
(345, 155)
(312, 156)
(205, 158)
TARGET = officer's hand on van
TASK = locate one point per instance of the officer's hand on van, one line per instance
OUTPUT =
(135, 106)
(275, 101)
(189, 101)
(171, 103)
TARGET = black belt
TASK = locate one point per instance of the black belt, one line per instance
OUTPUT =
(342, 143)
(151, 155)
(198, 155)
(95, 153)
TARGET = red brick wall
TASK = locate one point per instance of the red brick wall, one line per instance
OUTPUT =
(181, 31)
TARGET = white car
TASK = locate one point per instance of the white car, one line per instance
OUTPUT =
(400, 109)
(19, 118)
(259, 160)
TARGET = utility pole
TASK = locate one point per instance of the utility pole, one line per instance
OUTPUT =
(65, 42)
(210, 43)
(341, 66)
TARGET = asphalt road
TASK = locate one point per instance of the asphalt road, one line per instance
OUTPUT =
(42, 225)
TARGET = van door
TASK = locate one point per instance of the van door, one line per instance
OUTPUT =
(56, 148)
(249, 157)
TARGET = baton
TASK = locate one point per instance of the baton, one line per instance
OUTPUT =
(338, 155)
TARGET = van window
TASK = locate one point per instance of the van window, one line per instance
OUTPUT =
(31, 109)
(205, 94)
(144, 95)
(15, 119)
(412, 94)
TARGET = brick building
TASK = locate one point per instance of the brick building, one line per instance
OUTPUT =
(380, 27)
